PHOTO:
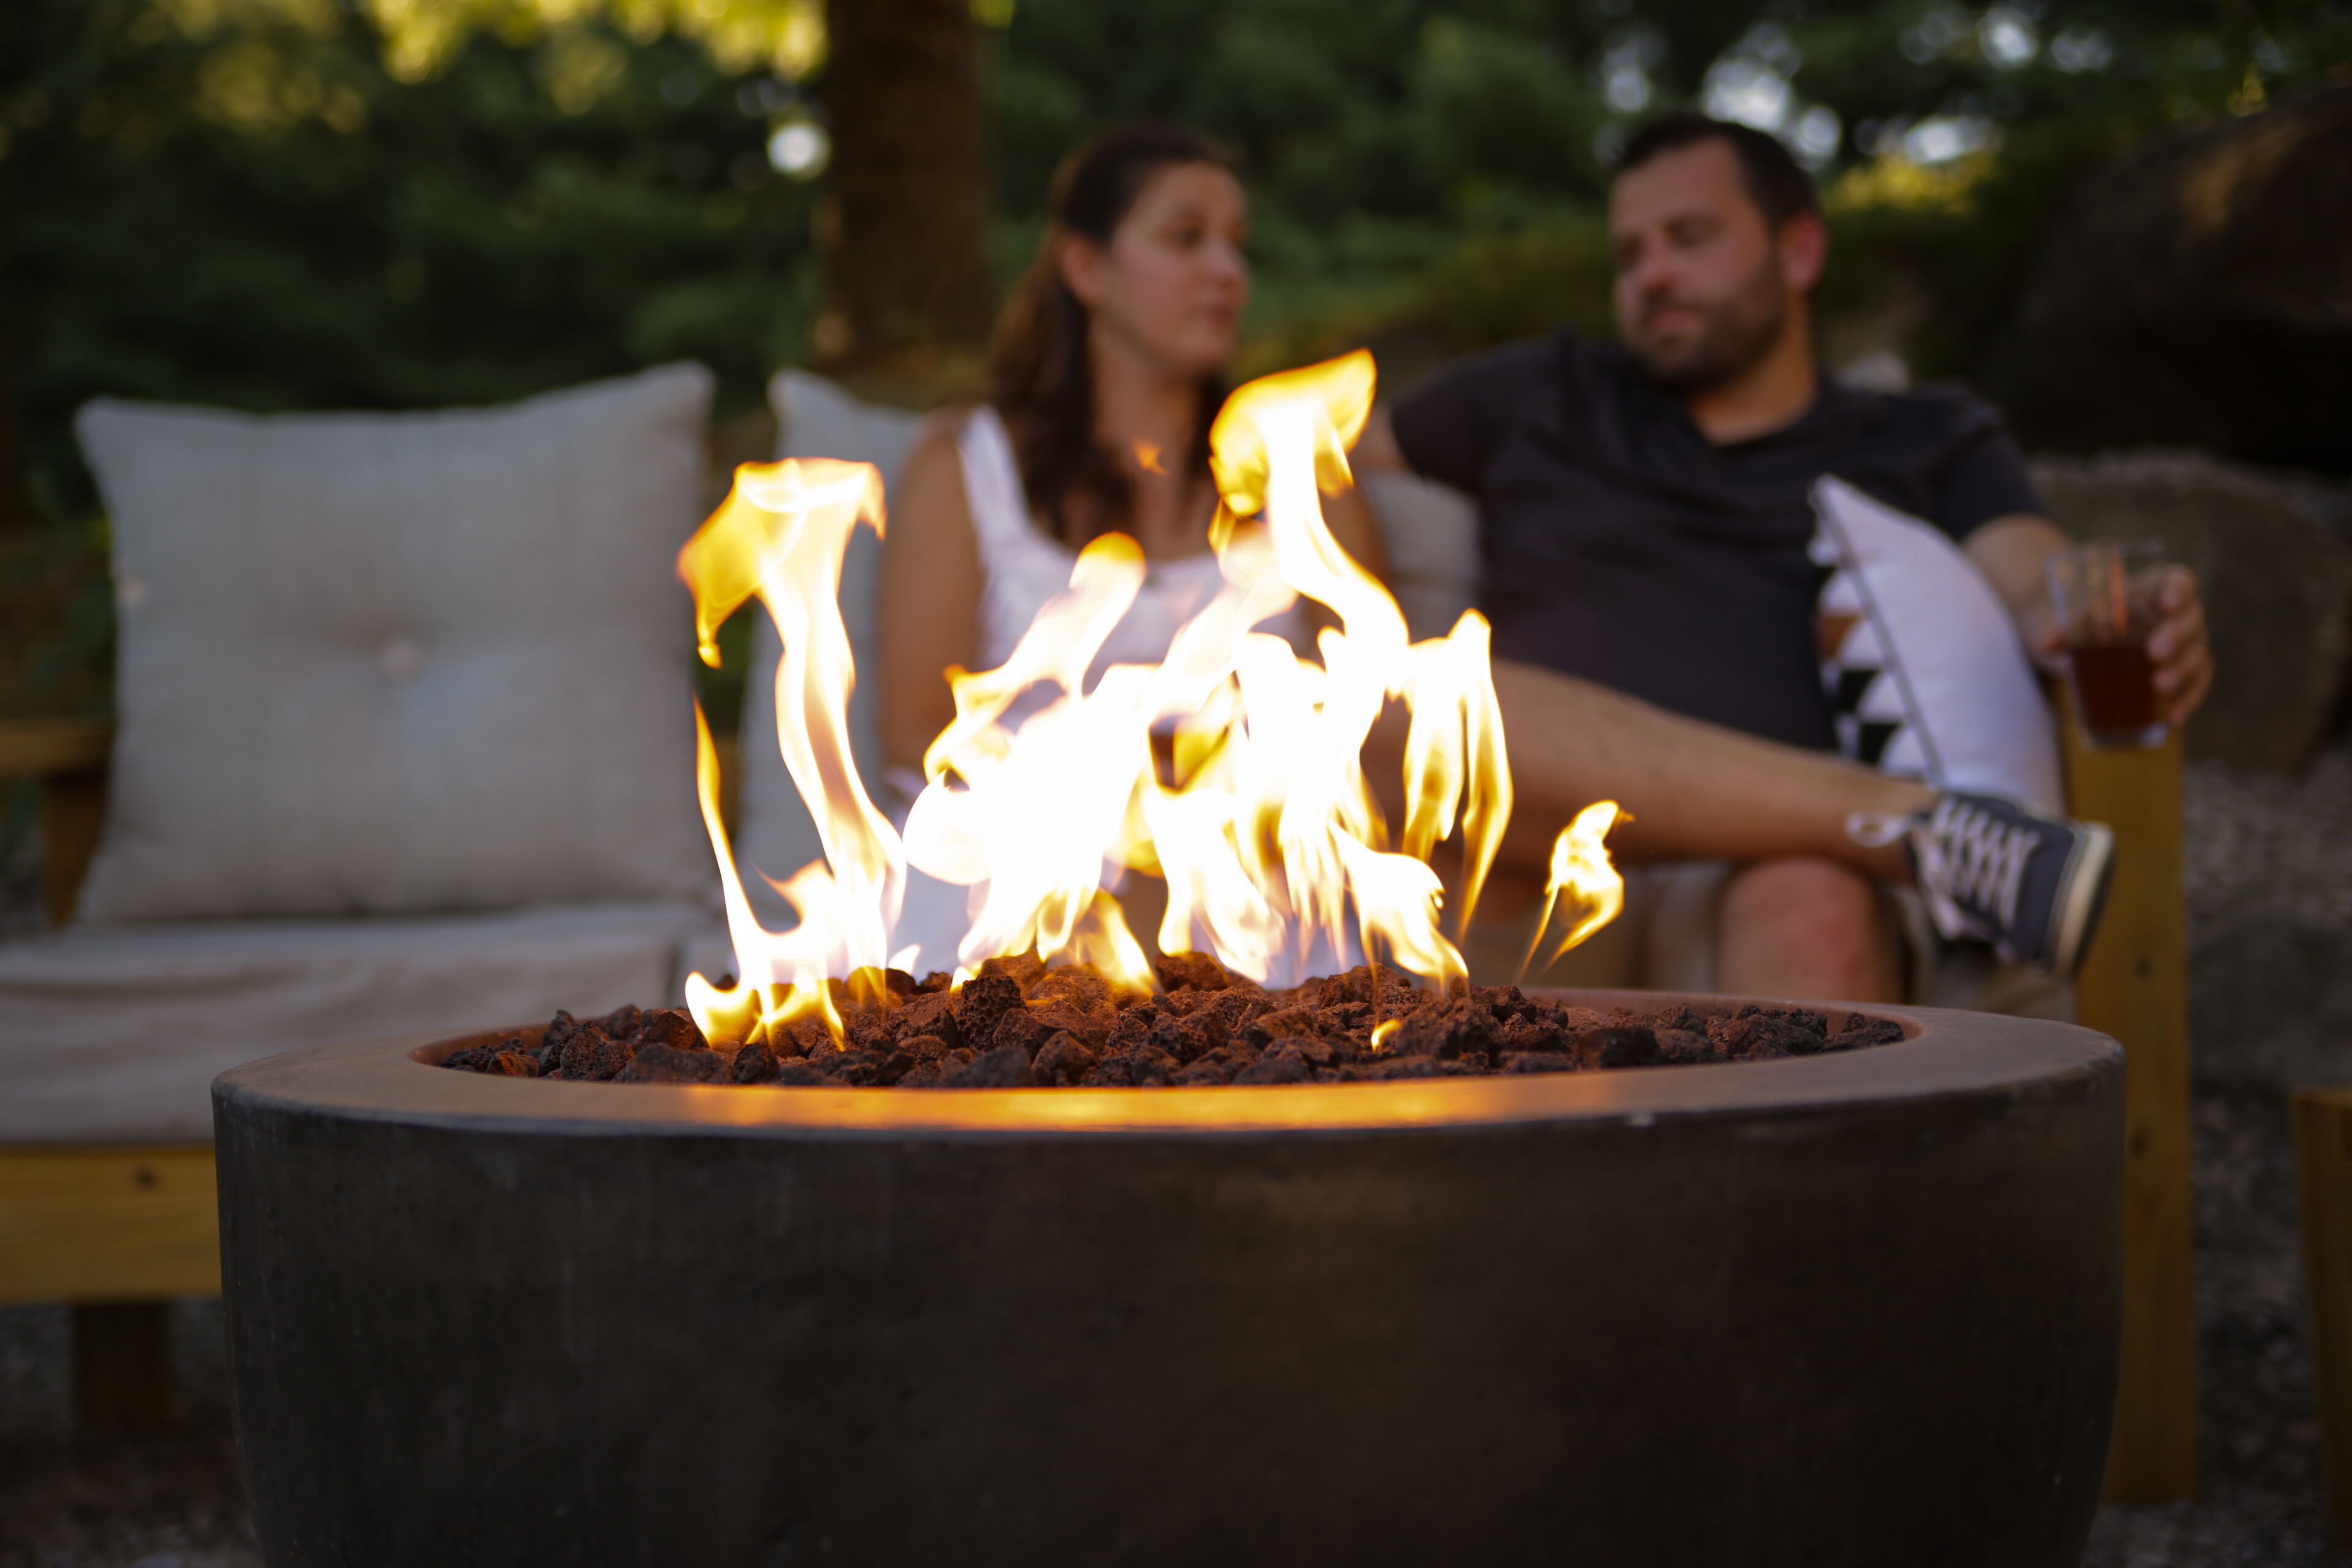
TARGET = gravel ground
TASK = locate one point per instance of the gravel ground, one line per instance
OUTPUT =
(105, 1500)
(2278, 848)
(2261, 1504)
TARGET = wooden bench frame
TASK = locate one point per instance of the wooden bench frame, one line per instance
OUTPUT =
(114, 1229)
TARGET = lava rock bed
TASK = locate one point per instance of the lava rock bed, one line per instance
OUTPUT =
(1019, 1025)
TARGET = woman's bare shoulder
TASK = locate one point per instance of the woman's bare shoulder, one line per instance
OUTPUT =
(937, 432)
(930, 488)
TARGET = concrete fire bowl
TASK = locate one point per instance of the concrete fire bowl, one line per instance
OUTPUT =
(1845, 1309)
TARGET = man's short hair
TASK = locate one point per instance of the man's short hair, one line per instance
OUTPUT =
(1776, 181)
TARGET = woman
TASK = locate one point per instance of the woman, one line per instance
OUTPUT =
(1107, 367)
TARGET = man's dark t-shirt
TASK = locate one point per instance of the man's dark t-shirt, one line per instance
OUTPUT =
(1619, 545)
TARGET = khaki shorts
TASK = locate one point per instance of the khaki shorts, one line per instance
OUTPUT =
(1665, 940)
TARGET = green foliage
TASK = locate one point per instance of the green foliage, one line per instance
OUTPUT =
(260, 216)
(237, 202)
(1430, 175)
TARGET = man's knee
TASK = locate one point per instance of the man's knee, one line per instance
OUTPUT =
(1825, 916)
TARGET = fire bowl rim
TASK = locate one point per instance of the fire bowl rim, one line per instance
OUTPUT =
(1945, 1052)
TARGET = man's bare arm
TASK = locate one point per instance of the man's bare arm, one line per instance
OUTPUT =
(2013, 554)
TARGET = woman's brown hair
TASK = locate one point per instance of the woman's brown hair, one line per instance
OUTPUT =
(1041, 376)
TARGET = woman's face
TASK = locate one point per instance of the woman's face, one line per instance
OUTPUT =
(1171, 283)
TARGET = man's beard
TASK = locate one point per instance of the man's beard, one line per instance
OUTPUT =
(1734, 337)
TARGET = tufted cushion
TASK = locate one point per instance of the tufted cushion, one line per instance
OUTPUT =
(379, 663)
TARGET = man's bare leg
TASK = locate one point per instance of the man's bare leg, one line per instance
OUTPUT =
(1695, 791)
(1807, 927)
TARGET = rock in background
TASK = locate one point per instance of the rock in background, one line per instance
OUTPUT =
(2195, 292)
(2269, 872)
(2275, 566)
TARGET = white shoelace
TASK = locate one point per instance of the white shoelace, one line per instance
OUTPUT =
(1970, 865)
(1983, 859)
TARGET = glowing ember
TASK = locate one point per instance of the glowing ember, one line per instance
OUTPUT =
(1275, 852)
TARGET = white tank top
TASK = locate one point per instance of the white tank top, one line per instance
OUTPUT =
(1022, 566)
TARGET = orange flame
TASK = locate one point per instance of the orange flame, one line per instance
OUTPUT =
(780, 535)
(1582, 880)
(1276, 855)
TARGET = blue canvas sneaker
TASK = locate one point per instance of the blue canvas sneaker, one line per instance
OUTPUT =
(1989, 871)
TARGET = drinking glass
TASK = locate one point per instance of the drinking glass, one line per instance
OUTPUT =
(2105, 596)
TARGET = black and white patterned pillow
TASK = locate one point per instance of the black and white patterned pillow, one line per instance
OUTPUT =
(1922, 664)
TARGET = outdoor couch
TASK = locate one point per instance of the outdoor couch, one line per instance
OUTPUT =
(405, 740)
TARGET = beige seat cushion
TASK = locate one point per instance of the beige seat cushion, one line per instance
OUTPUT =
(114, 1034)
(402, 663)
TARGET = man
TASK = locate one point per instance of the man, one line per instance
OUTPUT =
(1645, 515)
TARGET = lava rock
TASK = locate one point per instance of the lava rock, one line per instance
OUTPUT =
(671, 1026)
(590, 1053)
(1006, 1066)
(1444, 1029)
(930, 1013)
(1024, 969)
(1021, 1030)
(982, 1003)
(1077, 990)
(1213, 1066)
(1862, 1032)
(755, 1063)
(664, 1064)
(1141, 1067)
(1062, 1061)
(1627, 1046)
(1189, 1036)
(1285, 1063)
(1180, 972)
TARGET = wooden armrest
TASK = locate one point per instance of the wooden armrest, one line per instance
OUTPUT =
(69, 757)
(37, 748)
(2134, 986)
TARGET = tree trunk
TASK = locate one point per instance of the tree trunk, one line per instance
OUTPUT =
(905, 237)
(17, 517)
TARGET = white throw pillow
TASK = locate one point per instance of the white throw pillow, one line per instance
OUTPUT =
(402, 663)
(1924, 671)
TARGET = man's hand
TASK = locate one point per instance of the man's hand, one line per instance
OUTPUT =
(2177, 647)
(2013, 553)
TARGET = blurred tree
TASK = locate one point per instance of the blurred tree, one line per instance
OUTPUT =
(239, 204)
(906, 229)
(1434, 167)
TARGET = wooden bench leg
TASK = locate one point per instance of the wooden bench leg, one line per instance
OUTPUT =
(122, 1365)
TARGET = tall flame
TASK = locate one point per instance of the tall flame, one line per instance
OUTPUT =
(1275, 854)
(780, 535)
